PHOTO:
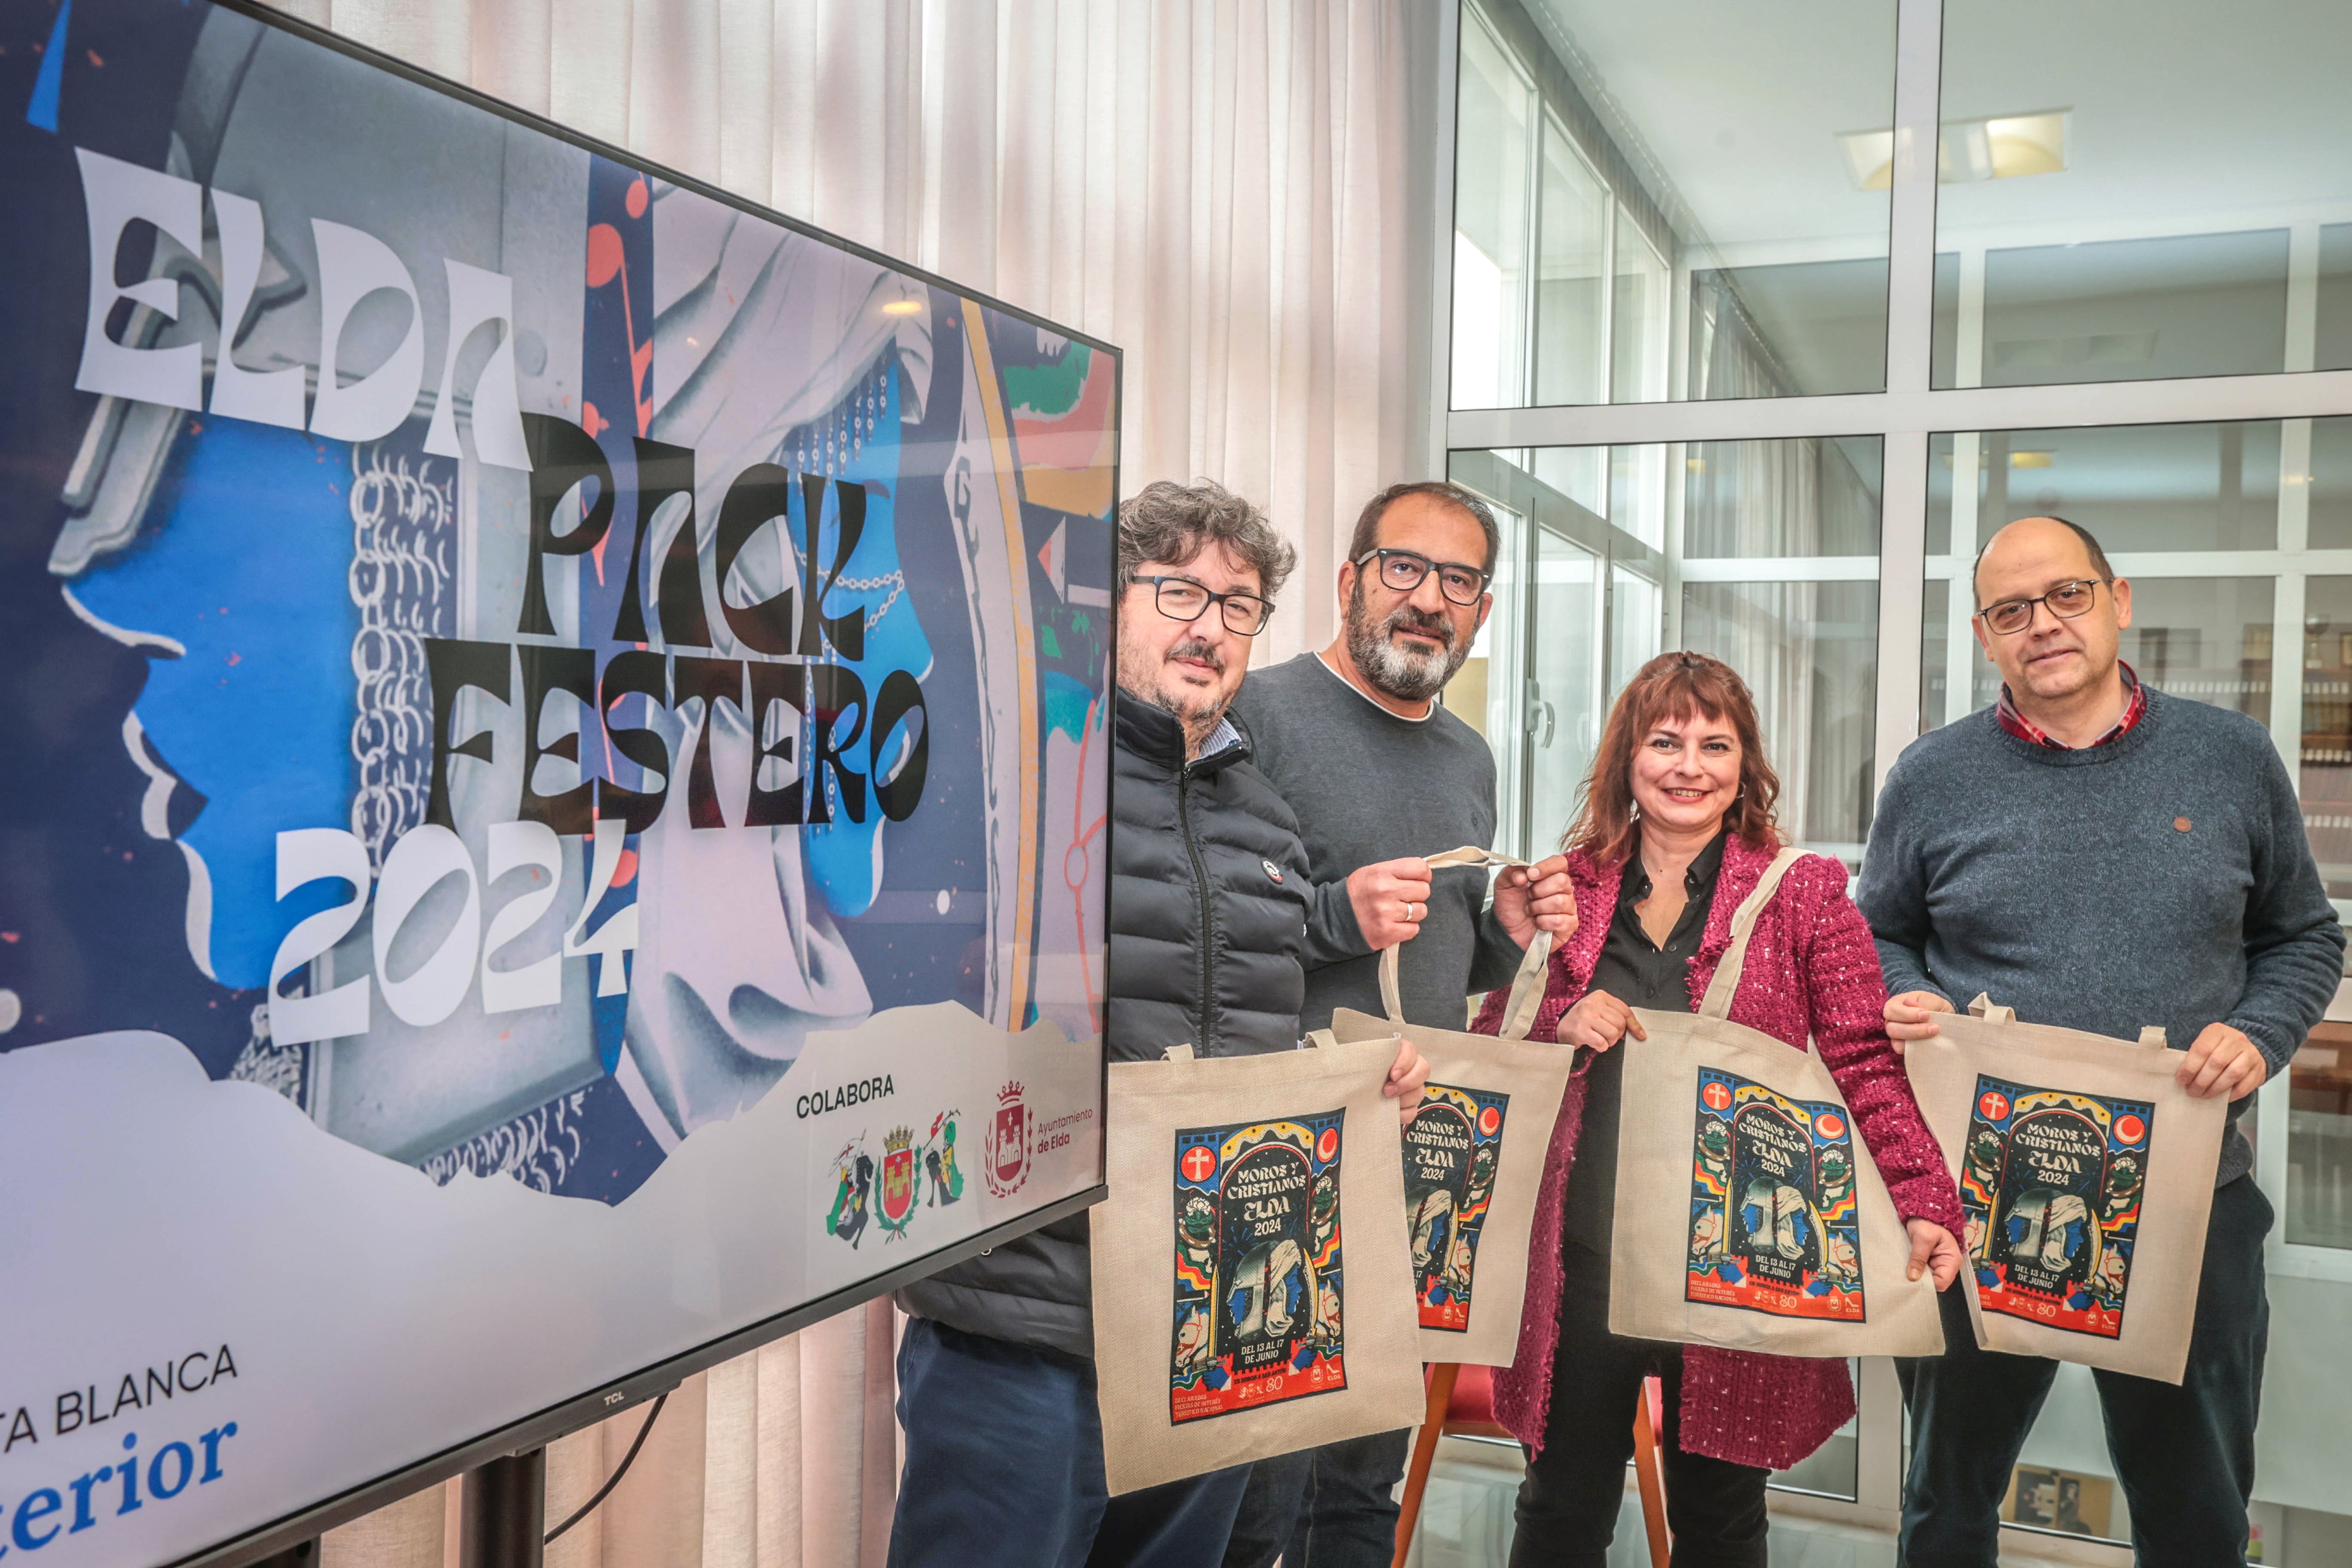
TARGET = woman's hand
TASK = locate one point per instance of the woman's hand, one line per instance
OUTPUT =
(1912, 1016)
(1406, 1076)
(1599, 1022)
(1528, 899)
(1933, 1252)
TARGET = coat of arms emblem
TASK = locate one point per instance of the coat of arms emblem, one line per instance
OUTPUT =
(1005, 1159)
(898, 1172)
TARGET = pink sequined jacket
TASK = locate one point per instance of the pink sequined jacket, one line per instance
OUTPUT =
(1811, 972)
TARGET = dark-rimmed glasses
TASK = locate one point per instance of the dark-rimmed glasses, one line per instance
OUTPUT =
(2066, 601)
(1403, 570)
(1181, 599)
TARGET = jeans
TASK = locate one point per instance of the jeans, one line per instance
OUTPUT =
(1329, 1506)
(2184, 1455)
(1004, 1467)
(1574, 1485)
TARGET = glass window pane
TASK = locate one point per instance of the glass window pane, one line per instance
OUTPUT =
(1490, 228)
(2126, 201)
(2318, 1208)
(2135, 487)
(1831, 1468)
(1486, 692)
(1640, 318)
(1722, 145)
(1775, 590)
(1636, 623)
(2335, 330)
(1809, 651)
(1571, 286)
(1562, 724)
(2130, 310)
(2064, 1480)
(1767, 498)
(2330, 525)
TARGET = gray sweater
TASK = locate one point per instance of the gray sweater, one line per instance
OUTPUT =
(1369, 786)
(2161, 878)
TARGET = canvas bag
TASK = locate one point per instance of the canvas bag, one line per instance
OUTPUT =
(2086, 1175)
(1750, 1214)
(1474, 1154)
(1251, 1289)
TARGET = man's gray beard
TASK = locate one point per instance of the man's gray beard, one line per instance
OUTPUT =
(1408, 677)
(1141, 680)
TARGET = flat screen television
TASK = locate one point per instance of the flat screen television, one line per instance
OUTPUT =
(553, 777)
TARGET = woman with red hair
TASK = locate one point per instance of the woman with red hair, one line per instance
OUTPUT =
(1674, 832)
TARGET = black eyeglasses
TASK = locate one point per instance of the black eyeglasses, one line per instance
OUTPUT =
(1403, 570)
(2066, 601)
(1181, 599)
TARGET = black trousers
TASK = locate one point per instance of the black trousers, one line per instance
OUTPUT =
(2184, 1455)
(1332, 1507)
(1574, 1485)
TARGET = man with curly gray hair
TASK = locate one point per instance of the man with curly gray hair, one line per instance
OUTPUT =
(1174, 539)
(1208, 912)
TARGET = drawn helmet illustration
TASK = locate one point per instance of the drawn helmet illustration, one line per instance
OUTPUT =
(2055, 1231)
(1776, 1218)
(1266, 1289)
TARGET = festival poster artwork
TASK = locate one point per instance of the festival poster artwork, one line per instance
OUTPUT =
(565, 814)
(1258, 1279)
(1453, 1145)
(2050, 1184)
(1776, 1225)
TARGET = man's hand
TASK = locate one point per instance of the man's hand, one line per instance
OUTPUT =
(1528, 899)
(1599, 1021)
(1389, 900)
(2222, 1058)
(1406, 1076)
(1933, 1250)
(1910, 1017)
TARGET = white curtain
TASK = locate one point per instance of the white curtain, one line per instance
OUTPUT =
(1229, 190)
(1232, 191)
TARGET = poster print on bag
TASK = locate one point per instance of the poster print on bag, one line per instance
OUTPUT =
(1258, 1282)
(1775, 1224)
(1452, 1147)
(2050, 1185)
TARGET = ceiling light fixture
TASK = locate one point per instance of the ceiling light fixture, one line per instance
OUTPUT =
(1998, 147)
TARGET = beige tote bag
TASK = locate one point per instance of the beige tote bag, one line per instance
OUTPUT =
(1473, 1155)
(1750, 1214)
(2086, 1174)
(1251, 1293)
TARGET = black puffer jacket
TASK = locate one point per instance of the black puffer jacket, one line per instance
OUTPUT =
(1208, 907)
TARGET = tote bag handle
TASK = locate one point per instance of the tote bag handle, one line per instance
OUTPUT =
(1527, 986)
(1993, 1012)
(1718, 1003)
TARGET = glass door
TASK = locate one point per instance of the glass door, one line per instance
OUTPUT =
(1564, 690)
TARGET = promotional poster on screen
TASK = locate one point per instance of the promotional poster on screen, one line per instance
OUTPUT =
(555, 771)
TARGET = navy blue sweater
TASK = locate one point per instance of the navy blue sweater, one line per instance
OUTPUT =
(2161, 878)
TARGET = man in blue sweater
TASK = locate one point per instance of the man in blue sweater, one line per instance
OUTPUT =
(2101, 857)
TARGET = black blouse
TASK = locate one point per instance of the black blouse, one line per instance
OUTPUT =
(1640, 973)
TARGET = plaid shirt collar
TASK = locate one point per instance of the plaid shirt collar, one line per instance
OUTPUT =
(2024, 729)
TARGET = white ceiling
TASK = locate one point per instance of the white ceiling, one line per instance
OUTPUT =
(2185, 111)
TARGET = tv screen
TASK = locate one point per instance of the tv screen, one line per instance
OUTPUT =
(555, 764)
